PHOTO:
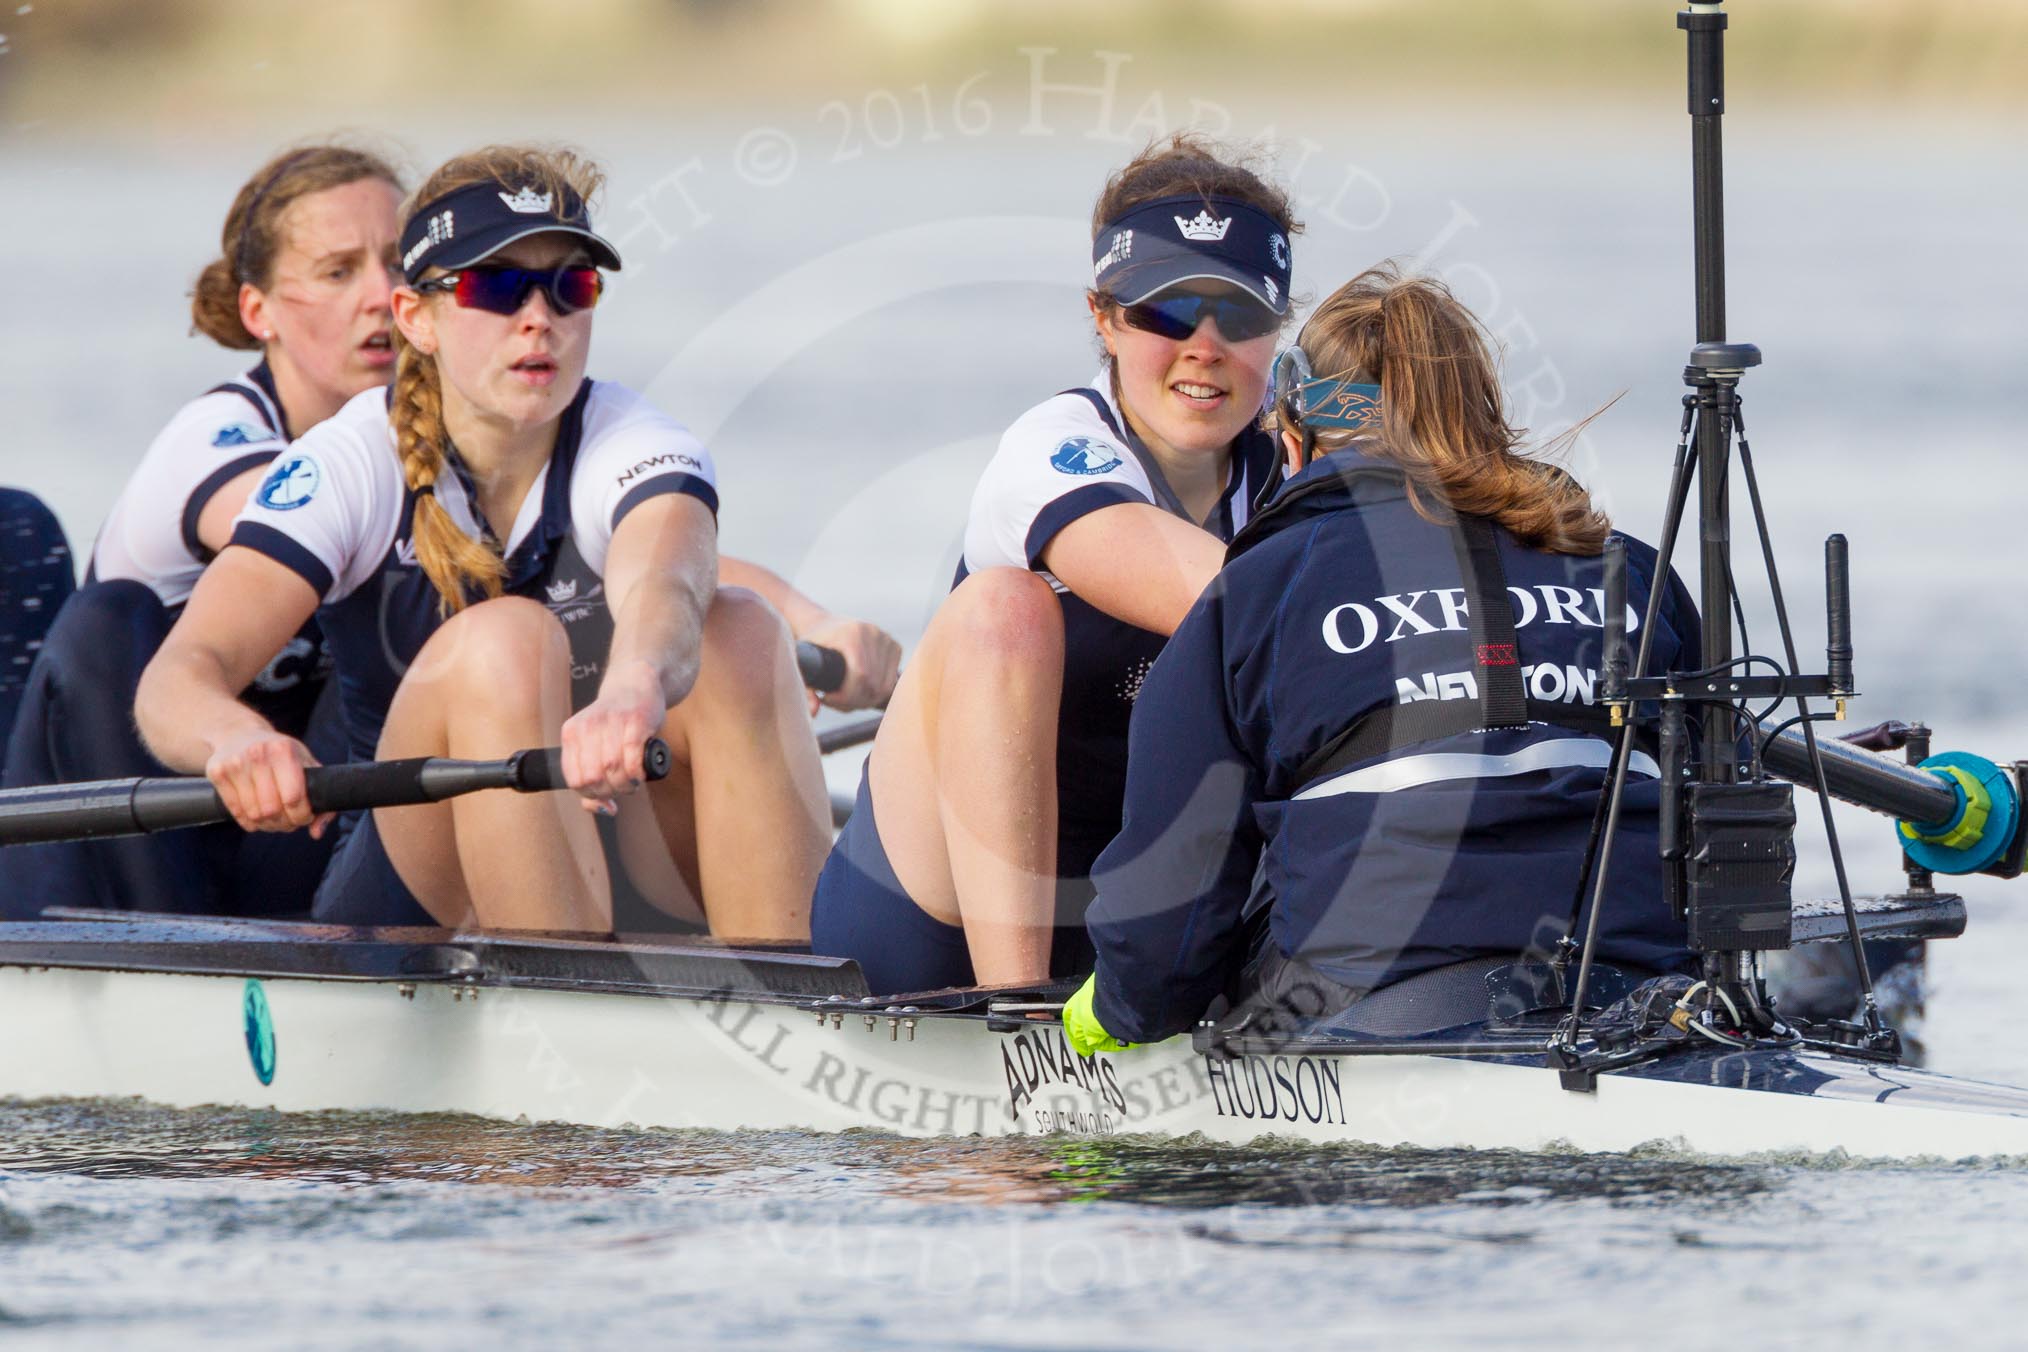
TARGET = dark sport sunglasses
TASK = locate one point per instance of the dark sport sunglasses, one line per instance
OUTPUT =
(1177, 317)
(504, 290)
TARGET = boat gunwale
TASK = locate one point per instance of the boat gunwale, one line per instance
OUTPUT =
(420, 955)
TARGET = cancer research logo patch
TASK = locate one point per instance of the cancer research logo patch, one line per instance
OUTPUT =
(442, 226)
(293, 481)
(241, 434)
(1278, 249)
(1121, 249)
(1082, 455)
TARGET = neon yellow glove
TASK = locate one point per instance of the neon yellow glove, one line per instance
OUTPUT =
(1081, 1023)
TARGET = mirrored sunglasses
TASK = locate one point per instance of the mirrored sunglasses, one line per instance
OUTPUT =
(1177, 317)
(504, 290)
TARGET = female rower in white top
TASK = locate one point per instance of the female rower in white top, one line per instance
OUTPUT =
(999, 772)
(303, 277)
(473, 539)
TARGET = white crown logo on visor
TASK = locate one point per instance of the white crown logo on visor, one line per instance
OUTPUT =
(1203, 226)
(527, 202)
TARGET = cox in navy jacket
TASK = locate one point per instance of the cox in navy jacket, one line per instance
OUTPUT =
(1467, 846)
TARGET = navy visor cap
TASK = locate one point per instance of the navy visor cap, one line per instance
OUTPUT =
(480, 219)
(1191, 238)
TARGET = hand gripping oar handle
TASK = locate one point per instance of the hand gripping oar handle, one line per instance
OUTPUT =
(822, 669)
(128, 807)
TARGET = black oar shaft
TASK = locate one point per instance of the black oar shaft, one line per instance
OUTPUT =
(846, 735)
(128, 807)
(111, 807)
(1865, 778)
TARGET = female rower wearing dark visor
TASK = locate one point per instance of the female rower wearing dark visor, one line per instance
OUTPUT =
(503, 553)
(999, 771)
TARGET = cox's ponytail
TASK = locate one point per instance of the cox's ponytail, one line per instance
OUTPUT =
(1443, 419)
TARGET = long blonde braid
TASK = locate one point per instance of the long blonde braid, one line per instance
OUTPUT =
(453, 561)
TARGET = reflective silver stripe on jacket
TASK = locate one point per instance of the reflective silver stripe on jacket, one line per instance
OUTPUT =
(1410, 772)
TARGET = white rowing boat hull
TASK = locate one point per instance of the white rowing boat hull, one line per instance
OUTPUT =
(679, 1062)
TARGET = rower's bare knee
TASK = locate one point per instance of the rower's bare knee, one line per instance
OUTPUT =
(746, 647)
(1006, 616)
(507, 652)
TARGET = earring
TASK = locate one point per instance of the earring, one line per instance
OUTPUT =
(267, 335)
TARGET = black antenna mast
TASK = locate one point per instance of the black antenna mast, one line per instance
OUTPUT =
(1727, 828)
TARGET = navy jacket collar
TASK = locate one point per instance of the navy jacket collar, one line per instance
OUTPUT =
(1330, 483)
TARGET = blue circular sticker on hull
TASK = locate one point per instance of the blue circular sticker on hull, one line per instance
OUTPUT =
(260, 1032)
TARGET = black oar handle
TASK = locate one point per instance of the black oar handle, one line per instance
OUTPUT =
(541, 771)
(127, 807)
(822, 669)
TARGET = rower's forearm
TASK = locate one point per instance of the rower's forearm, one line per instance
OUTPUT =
(802, 613)
(660, 628)
(184, 710)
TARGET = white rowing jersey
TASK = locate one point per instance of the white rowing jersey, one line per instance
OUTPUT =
(150, 536)
(337, 511)
(1067, 457)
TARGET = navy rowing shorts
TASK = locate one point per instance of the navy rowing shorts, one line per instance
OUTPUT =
(360, 885)
(861, 911)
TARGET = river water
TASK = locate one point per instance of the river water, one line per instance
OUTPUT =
(849, 308)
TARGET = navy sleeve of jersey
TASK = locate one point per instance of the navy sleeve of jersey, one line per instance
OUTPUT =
(1060, 512)
(1173, 884)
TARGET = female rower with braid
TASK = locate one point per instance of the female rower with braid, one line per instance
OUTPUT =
(303, 277)
(998, 772)
(504, 554)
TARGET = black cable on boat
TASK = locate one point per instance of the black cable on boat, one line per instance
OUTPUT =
(1679, 489)
(1838, 603)
(1679, 498)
